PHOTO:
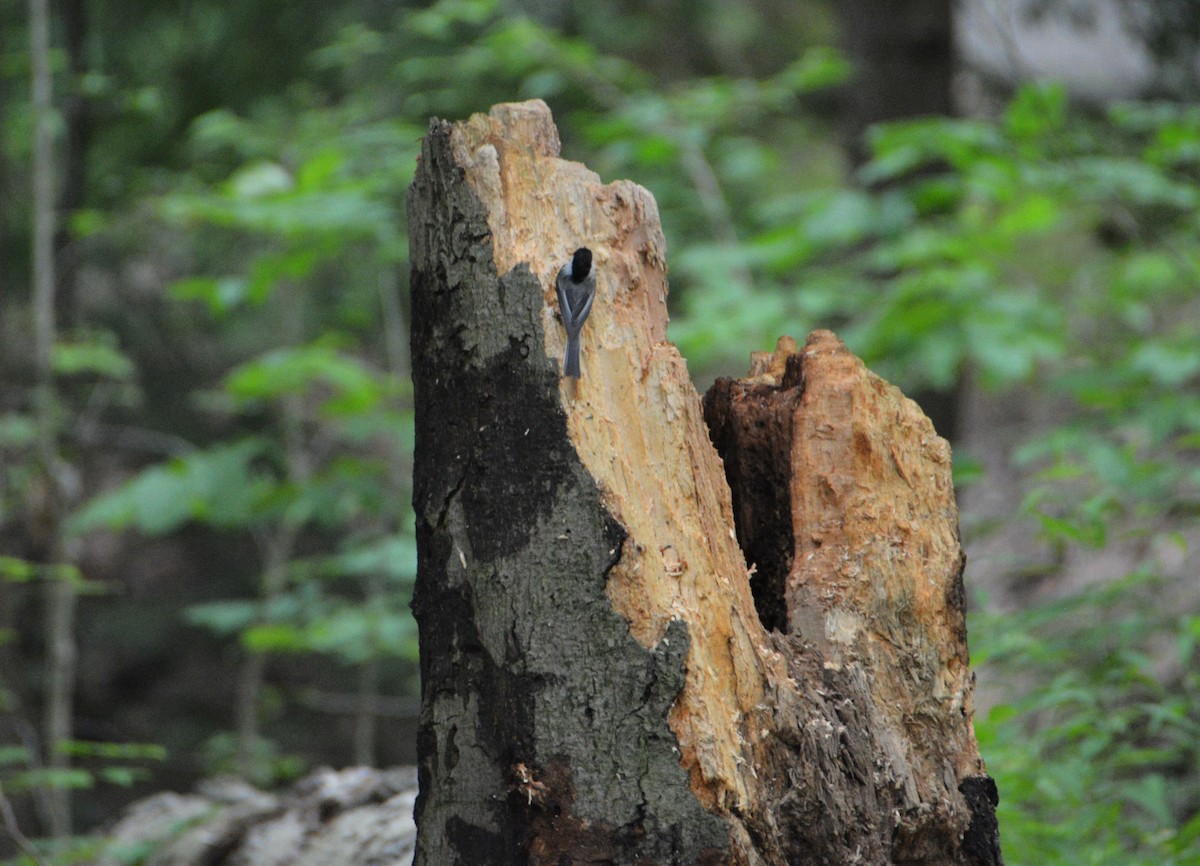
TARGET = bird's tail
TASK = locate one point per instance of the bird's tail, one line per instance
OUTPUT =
(571, 359)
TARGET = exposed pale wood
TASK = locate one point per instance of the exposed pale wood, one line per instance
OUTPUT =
(870, 596)
(878, 555)
(636, 423)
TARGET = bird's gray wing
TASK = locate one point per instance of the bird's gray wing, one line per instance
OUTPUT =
(589, 295)
(564, 302)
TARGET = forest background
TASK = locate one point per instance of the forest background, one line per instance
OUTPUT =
(206, 542)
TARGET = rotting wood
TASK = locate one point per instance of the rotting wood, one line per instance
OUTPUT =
(864, 578)
(598, 683)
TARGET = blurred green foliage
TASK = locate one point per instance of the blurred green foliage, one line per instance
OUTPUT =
(1095, 754)
(94, 763)
(1050, 250)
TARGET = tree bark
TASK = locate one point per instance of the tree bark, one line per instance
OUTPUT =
(604, 678)
(903, 56)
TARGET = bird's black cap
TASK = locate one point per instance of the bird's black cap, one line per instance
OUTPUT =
(581, 265)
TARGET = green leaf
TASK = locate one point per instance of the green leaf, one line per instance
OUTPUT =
(393, 556)
(817, 68)
(1150, 793)
(221, 294)
(12, 755)
(274, 637)
(112, 751)
(1036, 111)
(321, 170)
(123, 776)
(356, 635)
(967, 471)
(1167, 364)
(69, 779)
(1031, 214)
(901, 147)
(17, 570)
(1091, 534)
(220, 486)
(355, 387)
(85, 222)
(72, 359)
(1133, 182)
(224, 617)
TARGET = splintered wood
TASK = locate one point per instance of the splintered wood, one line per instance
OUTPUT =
(874, 576)
(636, 423)
(877, 549)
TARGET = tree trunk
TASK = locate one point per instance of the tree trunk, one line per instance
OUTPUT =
(903, 56)
(59, 591)
(604, 679)
(77, 135)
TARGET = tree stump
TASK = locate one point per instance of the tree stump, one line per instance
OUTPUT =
(608, 675)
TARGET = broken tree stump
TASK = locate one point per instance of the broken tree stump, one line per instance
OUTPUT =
(607, 675)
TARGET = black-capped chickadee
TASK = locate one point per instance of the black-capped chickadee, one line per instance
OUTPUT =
(576, 285)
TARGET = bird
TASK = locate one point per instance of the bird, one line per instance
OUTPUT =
(576, 285)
